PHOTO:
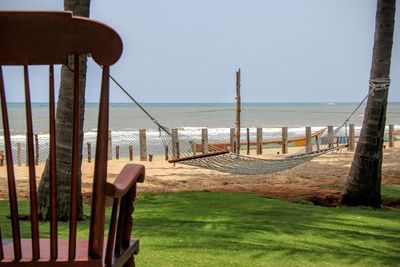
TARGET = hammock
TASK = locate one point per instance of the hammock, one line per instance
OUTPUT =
(224, 160)
(220, 159)
(238, 164)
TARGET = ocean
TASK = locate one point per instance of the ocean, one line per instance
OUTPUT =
(126, 119)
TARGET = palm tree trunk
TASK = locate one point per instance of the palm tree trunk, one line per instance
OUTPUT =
(363, 186)
(64, 117)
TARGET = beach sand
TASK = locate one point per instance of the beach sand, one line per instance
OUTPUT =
(319, 180)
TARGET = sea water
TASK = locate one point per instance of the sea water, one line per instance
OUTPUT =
(190, 118)
(127, 116)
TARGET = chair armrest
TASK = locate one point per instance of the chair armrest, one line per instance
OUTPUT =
(129, 175)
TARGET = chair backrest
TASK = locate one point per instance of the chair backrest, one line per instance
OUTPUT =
(49, 38)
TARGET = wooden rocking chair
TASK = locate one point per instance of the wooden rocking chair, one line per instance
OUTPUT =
(49, 38)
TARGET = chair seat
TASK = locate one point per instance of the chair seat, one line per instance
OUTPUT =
(81, 259)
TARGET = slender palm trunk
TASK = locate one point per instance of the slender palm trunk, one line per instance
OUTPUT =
(64, 117)
(363, 185)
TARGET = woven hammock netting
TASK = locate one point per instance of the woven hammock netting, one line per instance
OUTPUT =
(234, 163)
(183, 149)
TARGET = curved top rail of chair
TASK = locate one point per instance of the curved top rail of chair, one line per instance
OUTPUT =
(31, 38)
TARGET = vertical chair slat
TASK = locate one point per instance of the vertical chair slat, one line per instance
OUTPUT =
(32, 175)
(53, 169)
(111, 232)
(1, 239)
(74, 168)
(1, 247)
(121, 225)
(10, 174)
(100, 172)
(127, 231)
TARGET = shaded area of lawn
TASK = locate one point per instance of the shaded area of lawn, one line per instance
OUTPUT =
(217, 229)
(241, 229)
(23, 209)
(390, 196)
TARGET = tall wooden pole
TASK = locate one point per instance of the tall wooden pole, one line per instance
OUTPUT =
(238, 109)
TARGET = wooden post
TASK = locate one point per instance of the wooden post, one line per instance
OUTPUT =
(259, 141)
(248, 141)
(175, 144)
(36, 149)
(89, 152)
(178, 152)
(166, 153)
(352, 141)
(19, 154)
(317, 142)
(204, 140)
(238, 110)
(308, 140)
(391, 135)
(110, 145)
(330, 135)
(232, 139)
(130, 152)
(150, 157)
(116, 152)
(285, 143)
(142, 144)
(1, 158)
(193, 147)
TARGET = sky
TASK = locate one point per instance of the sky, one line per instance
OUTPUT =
(188, 51)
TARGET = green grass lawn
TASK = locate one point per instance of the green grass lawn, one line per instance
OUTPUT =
(241, 229)
(391, 192)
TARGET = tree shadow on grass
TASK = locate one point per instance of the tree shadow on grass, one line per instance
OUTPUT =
(262, 228)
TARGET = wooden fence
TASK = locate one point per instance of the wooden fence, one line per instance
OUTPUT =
(204, 146)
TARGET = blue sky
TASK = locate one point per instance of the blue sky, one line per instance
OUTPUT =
(188, 51)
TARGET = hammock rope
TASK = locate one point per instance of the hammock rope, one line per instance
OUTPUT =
(219, 157)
